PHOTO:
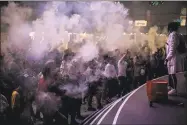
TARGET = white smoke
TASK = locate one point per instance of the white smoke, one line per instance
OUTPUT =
(104, 18)
(75, 91)
(105, 21)
(88, 52)
(47, 102)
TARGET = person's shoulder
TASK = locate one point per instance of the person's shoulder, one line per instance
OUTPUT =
(174, 34)
(41, 79)
(2, 97)
(15, 93)
(126, 62)
(107, 65)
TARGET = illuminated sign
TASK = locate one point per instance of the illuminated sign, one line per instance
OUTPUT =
(183, 11)
(156, 3)
(140, 23)
(183, 20)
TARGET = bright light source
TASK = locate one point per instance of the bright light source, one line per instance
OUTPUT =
(183, 11)
(140, 23)
(31, 34)
(183, 20)
(130, 22)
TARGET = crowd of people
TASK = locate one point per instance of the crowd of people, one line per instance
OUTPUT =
(58, 84)
(41, 85)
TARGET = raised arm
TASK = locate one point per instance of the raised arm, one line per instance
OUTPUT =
(122, 58)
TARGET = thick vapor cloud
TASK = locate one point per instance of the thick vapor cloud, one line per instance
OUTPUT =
(101, 25)
(104, 18)
(34, 34)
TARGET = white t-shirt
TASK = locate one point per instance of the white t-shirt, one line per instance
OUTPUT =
(90, 76)
(122, 68)
(110, 71)
(72, 70)
(63, 68)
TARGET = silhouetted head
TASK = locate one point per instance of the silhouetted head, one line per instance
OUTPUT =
(173, 26)
(46, 72)
(19, 89)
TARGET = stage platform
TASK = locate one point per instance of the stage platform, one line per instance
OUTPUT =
(134, 109)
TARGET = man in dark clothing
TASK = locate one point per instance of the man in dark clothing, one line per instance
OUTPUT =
(55, 88)
(70, 102)
(91, 92)
(112, 84)
(154, 64)
(148, 69)
(122, 76)
(137, 69)
(3, 108)
(130, 72)
(161, 67)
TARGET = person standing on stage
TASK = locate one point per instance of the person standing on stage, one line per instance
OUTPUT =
(172, 55)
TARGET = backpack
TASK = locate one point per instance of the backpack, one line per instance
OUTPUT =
(181, 48)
